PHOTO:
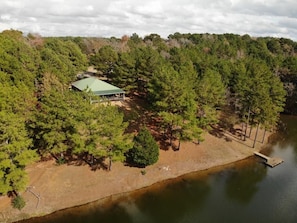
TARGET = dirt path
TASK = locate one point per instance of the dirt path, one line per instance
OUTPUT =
(65, 186)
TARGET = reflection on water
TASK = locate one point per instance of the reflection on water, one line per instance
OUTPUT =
(174, 200)
(241, 185)
(246, 191)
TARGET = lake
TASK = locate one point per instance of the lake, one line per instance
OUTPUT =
(245, 191)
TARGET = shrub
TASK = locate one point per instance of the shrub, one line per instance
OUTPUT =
(18, 202)
(60, 161)
(145, 150)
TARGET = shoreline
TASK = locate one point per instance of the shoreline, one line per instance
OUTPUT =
(117, 197)
(67, 186)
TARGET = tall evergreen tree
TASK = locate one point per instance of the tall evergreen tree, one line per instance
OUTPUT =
(101, 134)
(105, 59)
(145, 150)
(62, 58)
(260, 94)
(211, 94)
(15, 153)
(125, 72)
(173, 97)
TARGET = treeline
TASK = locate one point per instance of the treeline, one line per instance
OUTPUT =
(187, 80)
(130, 59)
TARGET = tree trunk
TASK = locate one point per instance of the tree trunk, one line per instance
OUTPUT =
(250, 132)
(55, 157)
(264, 135)
(251, 129)
(242, 125)
(15, 193)
(246, 124)
(170, 135)
(256, 136)
(110, 163)
(245, 130)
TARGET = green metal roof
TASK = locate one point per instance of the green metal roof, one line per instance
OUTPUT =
(98, 87)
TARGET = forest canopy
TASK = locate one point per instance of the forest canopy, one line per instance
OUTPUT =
(187, 82)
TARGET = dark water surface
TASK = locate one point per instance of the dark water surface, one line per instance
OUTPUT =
(246, 191)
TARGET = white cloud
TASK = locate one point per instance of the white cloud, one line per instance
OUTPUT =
(5, 17)
(119, 17)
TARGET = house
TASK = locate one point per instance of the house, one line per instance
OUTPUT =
(99, 88)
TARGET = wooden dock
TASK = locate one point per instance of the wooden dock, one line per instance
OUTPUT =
(270, 161)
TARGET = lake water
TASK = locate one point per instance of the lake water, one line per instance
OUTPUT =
(246, 191)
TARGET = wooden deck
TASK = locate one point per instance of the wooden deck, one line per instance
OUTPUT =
(270, 161)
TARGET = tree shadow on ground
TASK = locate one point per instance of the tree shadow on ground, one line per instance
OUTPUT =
(217, 132)
(164, 145)
(99, 164)
(134, 112)
(138, 113)
(229, 133)
(85, 159)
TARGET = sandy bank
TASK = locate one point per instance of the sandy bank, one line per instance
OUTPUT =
(65, 186)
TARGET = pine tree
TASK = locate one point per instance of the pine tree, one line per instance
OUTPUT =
(15, 153)
(260, 95)
(125, 73)
(105, 59)
(211, 94)
(101, 135)
(173, 97)
(145, 150)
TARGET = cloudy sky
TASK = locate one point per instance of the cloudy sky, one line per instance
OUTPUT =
(106, 18)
